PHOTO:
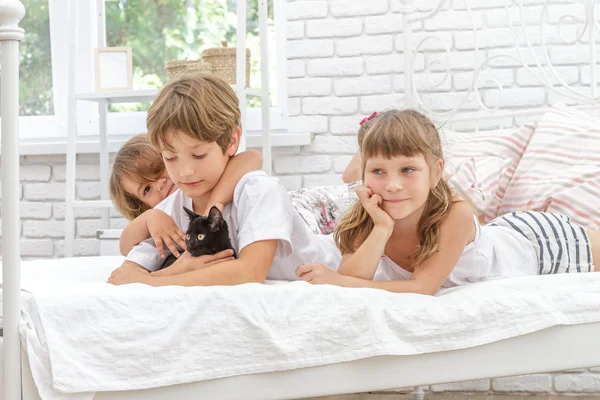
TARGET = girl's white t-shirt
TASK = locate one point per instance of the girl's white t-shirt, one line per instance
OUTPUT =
(496, 252)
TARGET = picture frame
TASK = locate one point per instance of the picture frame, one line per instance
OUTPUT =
(113, 69)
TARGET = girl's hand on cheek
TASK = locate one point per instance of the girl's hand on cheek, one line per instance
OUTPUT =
(372, 204)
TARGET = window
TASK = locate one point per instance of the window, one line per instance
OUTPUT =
(156, 31)
(166, 30)
(38, 106)
(35, 72)
(181, 29)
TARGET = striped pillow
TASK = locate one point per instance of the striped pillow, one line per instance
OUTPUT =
(560, 171)
(481, 165)
(478, 179)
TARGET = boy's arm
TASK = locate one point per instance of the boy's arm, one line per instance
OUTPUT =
(236, 168)
(251, 266)
(353, 171)
(146, 255)
(143, 259)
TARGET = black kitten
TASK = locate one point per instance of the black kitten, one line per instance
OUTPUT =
(205, 235)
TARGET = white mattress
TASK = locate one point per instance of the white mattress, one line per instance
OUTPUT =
(91, 335)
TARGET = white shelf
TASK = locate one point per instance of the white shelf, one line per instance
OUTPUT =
(91, 145)
(281, 140)
(120, 96)
(108, 233)
(137, 96)
(250, 92)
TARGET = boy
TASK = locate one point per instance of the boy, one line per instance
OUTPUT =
(195, 123)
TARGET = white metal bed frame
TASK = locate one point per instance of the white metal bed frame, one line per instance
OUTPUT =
(547, 350)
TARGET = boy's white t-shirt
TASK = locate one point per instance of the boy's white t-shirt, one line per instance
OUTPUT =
(261, 210)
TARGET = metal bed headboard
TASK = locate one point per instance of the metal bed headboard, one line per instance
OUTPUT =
(530, 51)
(11, 12)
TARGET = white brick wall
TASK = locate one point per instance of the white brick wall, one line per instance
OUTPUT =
(336, 28)
(42, 207)
(345, 60)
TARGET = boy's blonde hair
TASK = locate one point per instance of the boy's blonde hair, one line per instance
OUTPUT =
(140, 162)
(202, 106)
(408, 133)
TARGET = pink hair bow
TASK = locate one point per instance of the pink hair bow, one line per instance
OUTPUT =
(370, 117)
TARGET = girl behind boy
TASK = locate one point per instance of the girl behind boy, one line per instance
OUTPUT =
(410, 233)
(139, 182)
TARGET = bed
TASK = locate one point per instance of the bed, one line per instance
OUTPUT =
(273, 341)
(326, 335)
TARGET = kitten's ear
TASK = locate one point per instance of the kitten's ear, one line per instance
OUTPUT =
(190, 213)
(216, 219)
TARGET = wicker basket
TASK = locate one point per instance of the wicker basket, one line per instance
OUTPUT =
(178, 68)
(222, 60)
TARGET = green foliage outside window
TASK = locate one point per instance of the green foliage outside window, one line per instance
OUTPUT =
(155, 30)
(35, 71)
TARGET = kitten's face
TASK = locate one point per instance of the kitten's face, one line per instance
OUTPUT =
(206, 235)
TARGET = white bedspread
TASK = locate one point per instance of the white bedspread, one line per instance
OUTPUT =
(92, 336)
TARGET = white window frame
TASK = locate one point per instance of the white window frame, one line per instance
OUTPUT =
(53, 127)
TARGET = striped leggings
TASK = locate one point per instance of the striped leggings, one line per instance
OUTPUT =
(561, 245)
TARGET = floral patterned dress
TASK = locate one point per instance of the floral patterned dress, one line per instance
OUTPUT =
(321, 206)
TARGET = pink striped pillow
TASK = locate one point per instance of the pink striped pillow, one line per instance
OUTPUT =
(478, 179)
(560, 171)
(481, 164)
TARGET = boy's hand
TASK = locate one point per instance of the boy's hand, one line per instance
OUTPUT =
(162, 228)
(195, 263)
(129, 272)
(372, 204)
(187, 263)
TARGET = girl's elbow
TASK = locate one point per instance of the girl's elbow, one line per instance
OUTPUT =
(348, 176)
(256, 159)
(424, 288)
(356, 275)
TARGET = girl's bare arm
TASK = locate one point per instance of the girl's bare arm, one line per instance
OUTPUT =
(353, 171)
(240, 165)
(135, 232)
(363, 262)
(456, 232)
(155, 224)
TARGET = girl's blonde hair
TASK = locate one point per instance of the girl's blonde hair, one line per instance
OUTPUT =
(364, 127)
(140, 162)
(407, 133)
